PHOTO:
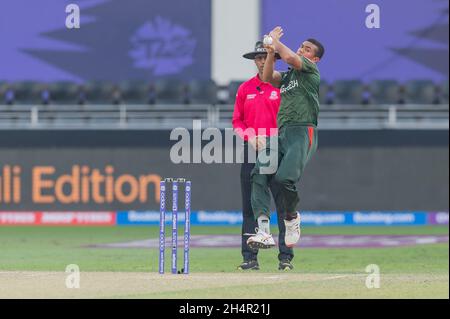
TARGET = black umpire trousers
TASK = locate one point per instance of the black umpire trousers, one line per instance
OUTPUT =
(249, 223)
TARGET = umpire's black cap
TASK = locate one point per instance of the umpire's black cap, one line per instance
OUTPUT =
(259, 49)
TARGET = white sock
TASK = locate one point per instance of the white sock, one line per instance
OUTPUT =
(264, 223)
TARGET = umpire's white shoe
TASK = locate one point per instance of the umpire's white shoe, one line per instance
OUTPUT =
(260, 240)
(292, 235)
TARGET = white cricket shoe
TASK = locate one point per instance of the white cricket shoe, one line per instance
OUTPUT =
(293, 231)
(260, 240)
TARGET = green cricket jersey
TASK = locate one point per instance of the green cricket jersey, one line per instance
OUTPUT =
(299, 95)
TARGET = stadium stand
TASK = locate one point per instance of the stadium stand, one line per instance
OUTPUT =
(102, 93)
(196, 92)
(350, 104)
(25, 92)
(443, 92)
(348, 92)
(384, 92)
(233, 87)
(202, 92)
(3, 88)
(137, 92)
(323, 92)
(64, 93)
(420, 92)
(171, 91)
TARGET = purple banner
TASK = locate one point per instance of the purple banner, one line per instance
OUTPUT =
(438, 218)
(410, 43)
(117, 40)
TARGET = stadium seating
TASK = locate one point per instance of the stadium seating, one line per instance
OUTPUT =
(64, 93)
(3, 88)
(9, 95)
(137, 92)
(202, 92)
(420, 92)
(102, 93)
(171, 91)
(26, 92)
(443, 93)
(233, 87)
(323, 92)
(348, 92)
(44, 92)
(384, 92)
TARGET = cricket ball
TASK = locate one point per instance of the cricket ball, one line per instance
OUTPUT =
(267, 40)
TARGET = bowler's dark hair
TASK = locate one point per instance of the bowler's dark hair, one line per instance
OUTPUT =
(320, 49)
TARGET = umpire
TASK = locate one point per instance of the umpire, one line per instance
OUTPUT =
(256, 108)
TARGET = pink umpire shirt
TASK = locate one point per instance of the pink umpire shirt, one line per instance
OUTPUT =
(256, 107)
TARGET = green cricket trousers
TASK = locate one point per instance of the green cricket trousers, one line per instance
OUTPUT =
(296, 145)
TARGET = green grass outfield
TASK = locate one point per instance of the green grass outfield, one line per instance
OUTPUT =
(31, 254)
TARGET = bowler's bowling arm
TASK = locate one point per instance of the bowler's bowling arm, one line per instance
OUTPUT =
(287, 55)
(269, 75)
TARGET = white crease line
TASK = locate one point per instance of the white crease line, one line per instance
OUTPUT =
(25, 274)
(335, 277)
